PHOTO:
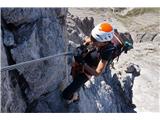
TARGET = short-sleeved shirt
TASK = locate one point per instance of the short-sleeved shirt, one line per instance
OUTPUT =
(105, 53)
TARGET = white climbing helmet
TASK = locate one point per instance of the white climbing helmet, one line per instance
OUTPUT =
(103, 32)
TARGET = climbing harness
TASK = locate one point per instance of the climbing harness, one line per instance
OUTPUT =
(11, 67)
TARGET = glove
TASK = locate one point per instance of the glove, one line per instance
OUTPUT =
(78, 54)
(80, 50)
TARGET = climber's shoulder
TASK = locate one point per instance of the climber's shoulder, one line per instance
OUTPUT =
(106, 52)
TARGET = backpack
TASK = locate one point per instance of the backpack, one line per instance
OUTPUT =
(122, 43)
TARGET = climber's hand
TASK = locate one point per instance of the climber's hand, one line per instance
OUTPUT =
(79, 53)
(80, 50)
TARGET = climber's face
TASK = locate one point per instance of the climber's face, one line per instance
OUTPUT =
(97, 43)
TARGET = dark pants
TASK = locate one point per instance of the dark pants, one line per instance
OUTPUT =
(78, 81)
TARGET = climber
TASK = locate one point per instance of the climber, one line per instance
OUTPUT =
(96, 52)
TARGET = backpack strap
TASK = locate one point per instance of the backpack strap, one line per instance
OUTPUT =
(120, 41)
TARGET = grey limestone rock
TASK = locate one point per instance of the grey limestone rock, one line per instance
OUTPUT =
(38, 33)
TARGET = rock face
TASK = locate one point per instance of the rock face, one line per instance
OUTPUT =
(77, 29)
(29, 34)
(108, 93)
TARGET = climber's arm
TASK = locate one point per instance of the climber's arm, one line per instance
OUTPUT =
(106, 55)
(102, 64)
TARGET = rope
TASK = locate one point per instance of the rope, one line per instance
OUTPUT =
(11, 67)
